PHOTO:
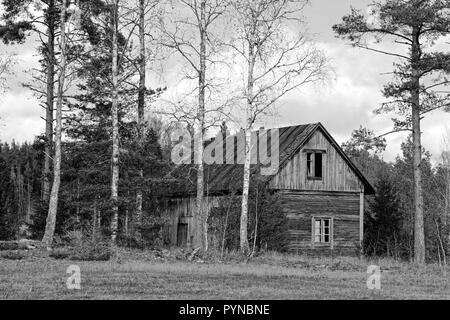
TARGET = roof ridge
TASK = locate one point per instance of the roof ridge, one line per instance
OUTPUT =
(292, 126)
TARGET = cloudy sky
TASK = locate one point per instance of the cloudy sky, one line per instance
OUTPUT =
(342, 106)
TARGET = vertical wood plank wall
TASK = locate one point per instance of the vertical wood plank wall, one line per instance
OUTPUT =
(361, 217)
(337, 175)
(181, 210)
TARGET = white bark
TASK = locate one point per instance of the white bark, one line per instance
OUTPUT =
(49, 103)
(141, 109)
(201, 212)
(53, 204)
(191, 37)
(244, 245)
(115, 127)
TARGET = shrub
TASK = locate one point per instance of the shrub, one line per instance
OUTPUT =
(80, 247)
(74, 238)
(60, 253)
(129, 241)
(150, 234)
(271, 228)
(8, 245)
(151, 230)
(92, 251)
(12, 255)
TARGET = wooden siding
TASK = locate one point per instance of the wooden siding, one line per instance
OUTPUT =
(181, 210)
(344, 210)
(337, 175)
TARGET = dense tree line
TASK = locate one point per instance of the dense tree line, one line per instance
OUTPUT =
(85, 180)
(389, 216)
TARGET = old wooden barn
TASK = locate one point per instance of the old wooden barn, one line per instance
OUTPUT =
(322, 193)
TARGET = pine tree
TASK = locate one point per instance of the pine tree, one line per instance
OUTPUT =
(420, 78)
(383, 224)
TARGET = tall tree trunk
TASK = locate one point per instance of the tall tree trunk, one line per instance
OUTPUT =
(255, 237)
(115, 127)
(419, 237)
(201, 232)
(29, 191)
(94, 221)
(244, 245)
(49, 101)
(53, 204)
(447, 207)
(141, 109)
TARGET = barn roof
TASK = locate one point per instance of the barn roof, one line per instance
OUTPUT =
(225, 178)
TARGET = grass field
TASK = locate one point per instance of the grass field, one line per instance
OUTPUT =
(270, 277)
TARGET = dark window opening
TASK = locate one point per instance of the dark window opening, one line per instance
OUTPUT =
(318, 165)
(314, 163)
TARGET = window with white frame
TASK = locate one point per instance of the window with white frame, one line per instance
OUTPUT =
(322, 230)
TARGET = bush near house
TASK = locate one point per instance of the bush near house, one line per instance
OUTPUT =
(266, 220)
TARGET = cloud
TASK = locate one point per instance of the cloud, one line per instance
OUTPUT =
(350, 99)
(20, 117)
(20, 114)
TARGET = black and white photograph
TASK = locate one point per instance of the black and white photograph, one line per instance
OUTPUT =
(225, 156)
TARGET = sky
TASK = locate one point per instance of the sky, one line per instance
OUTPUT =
(341, 106)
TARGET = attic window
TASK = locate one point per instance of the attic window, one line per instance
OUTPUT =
(314, 161)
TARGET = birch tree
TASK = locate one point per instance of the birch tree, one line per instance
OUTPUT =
(115, 121)
(277, 58)
(192, 36)
(53, 203)
(446, 165)
(141, 97)
(412, 29)
(145, 8)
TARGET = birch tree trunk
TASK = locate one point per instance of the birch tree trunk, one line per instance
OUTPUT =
(53, 204)
(198, 52)
(49, 102)
(115, 127)
(419, 237)
(447, 206)
(141, 110)
(201, 233)
(244, 245)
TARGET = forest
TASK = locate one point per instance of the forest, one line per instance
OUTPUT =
(96, 171)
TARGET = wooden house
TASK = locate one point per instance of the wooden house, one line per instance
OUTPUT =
(322, 193)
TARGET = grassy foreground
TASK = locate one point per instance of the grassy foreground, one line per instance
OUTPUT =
(272, 276)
